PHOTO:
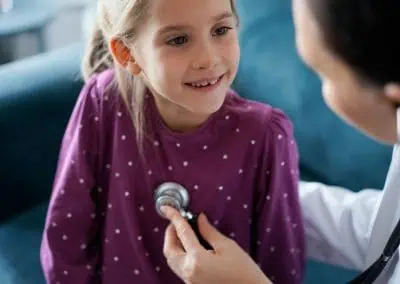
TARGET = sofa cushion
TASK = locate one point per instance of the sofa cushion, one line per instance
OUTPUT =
(271, 71)
(20, 239)
(317, 273)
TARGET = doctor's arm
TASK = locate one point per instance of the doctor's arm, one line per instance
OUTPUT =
(338, 223)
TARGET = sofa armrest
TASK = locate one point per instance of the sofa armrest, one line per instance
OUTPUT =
(36, 98)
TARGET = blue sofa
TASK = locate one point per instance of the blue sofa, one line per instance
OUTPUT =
(37, 96)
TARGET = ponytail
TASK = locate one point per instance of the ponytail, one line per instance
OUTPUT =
(97, 57)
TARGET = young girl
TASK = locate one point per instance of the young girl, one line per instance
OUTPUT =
(353, 47)
(169, 73)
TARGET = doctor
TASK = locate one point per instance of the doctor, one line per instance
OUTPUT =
(353, 46)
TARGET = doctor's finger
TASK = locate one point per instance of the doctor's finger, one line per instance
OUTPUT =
(183, 230)
(172, 245)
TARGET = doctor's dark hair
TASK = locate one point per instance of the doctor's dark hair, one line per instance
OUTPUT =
(364, 34)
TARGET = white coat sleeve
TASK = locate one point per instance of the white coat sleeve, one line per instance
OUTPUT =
(338, 223)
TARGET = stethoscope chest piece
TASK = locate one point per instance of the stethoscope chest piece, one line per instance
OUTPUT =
(171, 194)
(175, 195)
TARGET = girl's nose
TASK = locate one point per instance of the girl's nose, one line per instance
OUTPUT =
(205, 58)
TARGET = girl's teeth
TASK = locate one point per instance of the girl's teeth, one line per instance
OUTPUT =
(204, 84)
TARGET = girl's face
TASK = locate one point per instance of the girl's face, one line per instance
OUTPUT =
(366, 108)
(189, 54)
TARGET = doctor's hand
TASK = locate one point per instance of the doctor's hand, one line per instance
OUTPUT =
(227, 263)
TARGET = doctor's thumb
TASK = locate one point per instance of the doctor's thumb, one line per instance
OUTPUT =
(209, 232)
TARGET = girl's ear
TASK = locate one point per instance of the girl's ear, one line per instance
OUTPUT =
(122, 55)
(392, 92)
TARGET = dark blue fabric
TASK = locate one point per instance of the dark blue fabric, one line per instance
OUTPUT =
(19, 248)
(36, 99)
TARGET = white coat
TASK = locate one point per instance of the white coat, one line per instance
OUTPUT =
(351, 229)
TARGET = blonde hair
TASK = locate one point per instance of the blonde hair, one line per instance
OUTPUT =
(120, 19)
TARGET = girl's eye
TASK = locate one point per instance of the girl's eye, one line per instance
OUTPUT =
(222, 31)
(177, 41)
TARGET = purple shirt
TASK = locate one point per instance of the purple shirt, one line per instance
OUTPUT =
(240, 167)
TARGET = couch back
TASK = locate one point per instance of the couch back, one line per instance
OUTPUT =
(36, 99)
(272, 72)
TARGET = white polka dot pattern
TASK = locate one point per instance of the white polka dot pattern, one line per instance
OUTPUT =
(241, 169)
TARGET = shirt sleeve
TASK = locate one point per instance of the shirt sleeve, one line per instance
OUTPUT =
(338, 223)
(279, 248)
(68, 250)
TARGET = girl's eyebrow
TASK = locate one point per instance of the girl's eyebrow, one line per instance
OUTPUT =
(177, 28)
(223, 16)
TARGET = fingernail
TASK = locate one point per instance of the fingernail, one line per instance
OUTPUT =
(164, 209)
(202, 215)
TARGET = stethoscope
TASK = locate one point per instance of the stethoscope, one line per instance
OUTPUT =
(175, 195)
(375, 269)
(372, 272)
